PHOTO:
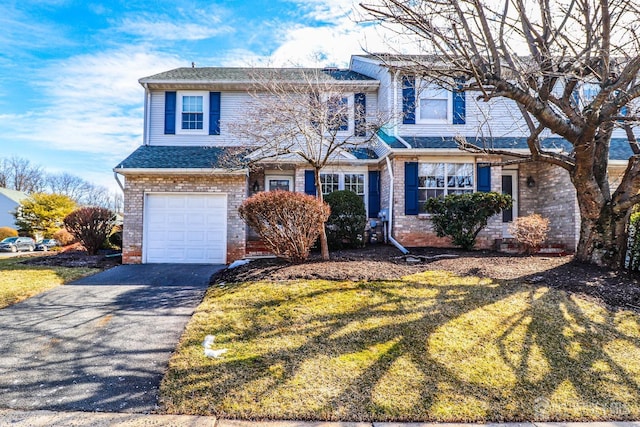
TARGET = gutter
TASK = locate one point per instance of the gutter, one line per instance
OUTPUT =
(391, 239)
(178, 171)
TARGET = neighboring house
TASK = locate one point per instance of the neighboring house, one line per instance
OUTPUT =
(9, 201)
(181, 200)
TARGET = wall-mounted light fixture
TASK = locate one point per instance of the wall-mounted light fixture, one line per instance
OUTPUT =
(531, 182)
(256, 186)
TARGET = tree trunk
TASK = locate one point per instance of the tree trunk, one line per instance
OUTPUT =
(324, 245)
(603, 237)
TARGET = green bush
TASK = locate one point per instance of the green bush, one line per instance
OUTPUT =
(348, 219)
(462, 216)
(287, 222)
(634, 242)
(7, 232)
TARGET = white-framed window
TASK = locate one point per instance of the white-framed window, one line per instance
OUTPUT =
(354, 182)
(338, 110)
(193, 112)
(434, 104)
(330, 182)
(278, 182)
(441, 179)
(343, 181)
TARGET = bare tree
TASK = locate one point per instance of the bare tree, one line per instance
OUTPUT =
(540, 54)
(306, 115)
(69, 185)
(19, 174)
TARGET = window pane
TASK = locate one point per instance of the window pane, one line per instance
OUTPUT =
(354, 182)
(192, 104)
(433, 109)
(192, 120)
(460, 175)
(330, 182)
(338, 113)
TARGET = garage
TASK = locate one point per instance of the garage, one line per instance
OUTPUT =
(185, 228)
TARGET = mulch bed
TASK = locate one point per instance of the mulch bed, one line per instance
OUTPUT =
(383, 262)
(76, 258)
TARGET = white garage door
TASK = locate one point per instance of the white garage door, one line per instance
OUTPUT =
(185, 228)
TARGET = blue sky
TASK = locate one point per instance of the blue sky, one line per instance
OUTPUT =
(69, 94)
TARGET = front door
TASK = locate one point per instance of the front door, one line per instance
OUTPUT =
(283, 183)
(510, 187)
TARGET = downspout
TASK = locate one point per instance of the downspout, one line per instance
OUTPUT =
(147, 103)
(391, 239)
(115, 175)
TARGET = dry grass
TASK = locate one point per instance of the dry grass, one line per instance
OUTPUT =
(430, 347)
(19, 282)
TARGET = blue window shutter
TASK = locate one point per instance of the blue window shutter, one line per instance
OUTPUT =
(459, 103)
(169, 113)
(408, 100)
(214, 113)
(484, 177)
(310, 183)
(360, 114)
(374, 193)
(411, 188)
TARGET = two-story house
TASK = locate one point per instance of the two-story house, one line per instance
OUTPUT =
(181, 199)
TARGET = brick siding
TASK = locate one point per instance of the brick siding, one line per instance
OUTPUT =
(235, 186)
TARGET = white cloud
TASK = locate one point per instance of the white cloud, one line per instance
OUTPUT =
(94, 102)
(196, 26)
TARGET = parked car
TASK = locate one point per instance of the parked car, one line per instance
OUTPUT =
(15, 244)
(46, 244)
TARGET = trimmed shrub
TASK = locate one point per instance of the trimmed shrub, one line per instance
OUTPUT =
(462, 216)
(530, 232)
(7, 232)
(64, 237)
(633, 245)
(348, 219)
(91, 226)
(288, 223)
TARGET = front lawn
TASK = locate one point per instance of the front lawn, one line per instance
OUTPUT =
(20, 281)
(431, 346)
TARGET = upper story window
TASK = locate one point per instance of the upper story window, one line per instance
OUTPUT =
(338, 113)
(441, 179)
(192, 112)
(434, 104)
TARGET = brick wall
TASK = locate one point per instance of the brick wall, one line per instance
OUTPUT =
(553, 196)
(138, 185)
(417, 230)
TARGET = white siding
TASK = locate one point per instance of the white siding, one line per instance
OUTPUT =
(7, 206)
(234, 108)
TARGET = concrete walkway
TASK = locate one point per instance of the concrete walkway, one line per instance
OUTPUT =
(83, 419)
(101, 343)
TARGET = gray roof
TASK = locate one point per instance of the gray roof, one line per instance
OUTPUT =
(619, 149)
(233, 75)
(179, 157)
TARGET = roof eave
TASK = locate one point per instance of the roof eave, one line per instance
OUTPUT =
(179, 171)
(367, 86)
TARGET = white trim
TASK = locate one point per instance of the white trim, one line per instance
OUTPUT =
(421, 87)
(145, 216)
(269, 177)
(205, 113)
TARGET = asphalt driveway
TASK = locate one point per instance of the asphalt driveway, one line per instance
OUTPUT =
(101, 343)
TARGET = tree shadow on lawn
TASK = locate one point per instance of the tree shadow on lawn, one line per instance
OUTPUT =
(428, 347)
